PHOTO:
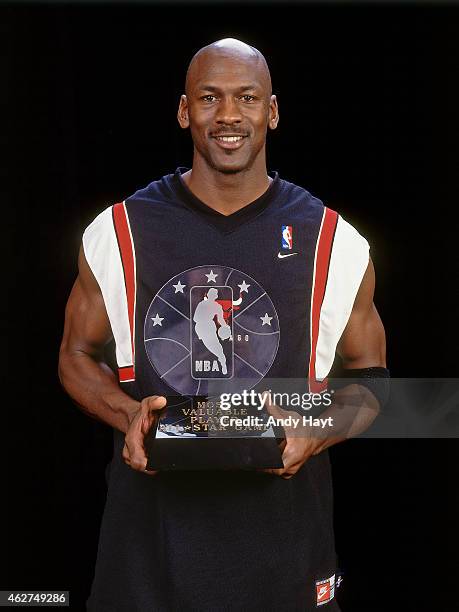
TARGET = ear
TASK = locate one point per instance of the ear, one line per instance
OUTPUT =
(182, 113)
(273, 113)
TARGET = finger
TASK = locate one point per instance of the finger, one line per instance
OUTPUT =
(153, 403)
(125, 454)
(291, 453)
(320, 448)
(295, 460)
(149, 411)
(291, 469)
(290, 463)
(273, 471)
(138, 461)
(295, 454)
(127, 459)
(135, 449)
(288, 458)
(150, 472)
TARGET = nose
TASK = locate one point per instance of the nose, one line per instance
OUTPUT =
(228, 111)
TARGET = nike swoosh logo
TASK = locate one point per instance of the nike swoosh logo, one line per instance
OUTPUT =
(323, 591)
(282, 255)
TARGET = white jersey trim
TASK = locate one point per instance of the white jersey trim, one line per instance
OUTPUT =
(101, 247)
(348, 263)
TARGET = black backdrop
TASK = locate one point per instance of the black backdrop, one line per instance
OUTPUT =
(368, 102)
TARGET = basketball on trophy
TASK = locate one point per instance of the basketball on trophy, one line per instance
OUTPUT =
(224, 332)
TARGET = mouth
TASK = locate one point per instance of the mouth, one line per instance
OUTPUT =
(234, 141)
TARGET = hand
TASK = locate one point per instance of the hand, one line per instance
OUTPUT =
(297, 447)
(140, 424)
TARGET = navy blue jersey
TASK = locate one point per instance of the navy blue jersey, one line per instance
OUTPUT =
(198, 302)
(286, 278)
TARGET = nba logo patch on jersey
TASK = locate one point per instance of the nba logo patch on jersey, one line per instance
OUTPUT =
(287, 237)
(325, 590)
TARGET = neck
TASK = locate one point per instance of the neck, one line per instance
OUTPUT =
(226, 193)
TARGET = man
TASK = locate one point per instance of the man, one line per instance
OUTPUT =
(219, 540)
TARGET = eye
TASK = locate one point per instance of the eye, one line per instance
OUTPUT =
(248, 98)
(205, 98)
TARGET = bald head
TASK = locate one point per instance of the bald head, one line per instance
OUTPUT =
(228, 96)
(210, 56)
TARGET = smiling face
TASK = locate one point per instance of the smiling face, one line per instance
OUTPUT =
(228, 106)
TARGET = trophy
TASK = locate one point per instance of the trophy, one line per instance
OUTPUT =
(199, 435)
(211, 333)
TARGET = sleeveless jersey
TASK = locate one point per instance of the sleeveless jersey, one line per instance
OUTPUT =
(195, 306)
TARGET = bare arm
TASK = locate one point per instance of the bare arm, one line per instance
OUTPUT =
(88, 380)
(362, 345)
(363, 342)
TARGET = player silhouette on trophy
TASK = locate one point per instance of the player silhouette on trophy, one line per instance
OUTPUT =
(206, 329)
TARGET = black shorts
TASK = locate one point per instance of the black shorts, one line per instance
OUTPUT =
(214, 541)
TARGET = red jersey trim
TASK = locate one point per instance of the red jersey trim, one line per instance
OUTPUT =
(320, 275)
(126, 247)
(126, 374)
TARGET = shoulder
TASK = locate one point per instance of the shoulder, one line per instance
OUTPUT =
(293, 194)
(102, 223)
(158, 189)
(312, 205)
(347, 234)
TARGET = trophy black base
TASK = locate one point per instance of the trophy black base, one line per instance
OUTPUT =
(208, 453)
(190, 435)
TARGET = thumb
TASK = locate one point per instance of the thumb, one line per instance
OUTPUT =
(272, 408)
(155, 402)
(148, 407)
